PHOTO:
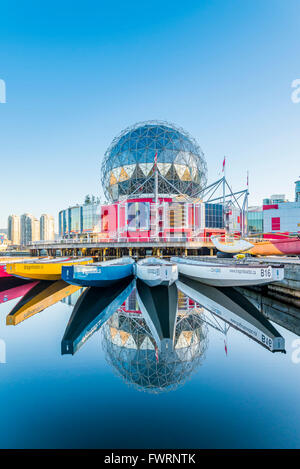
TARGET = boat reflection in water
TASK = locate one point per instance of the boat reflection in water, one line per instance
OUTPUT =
(92, 309)
(153, 337)
(12, 288)
(41, 296)
(231, 306)
(159, 308)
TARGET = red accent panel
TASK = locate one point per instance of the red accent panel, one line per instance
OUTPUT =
(282, 235)
(276, 223)
(270, 207)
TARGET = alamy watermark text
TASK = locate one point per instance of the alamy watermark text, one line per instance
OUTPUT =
(2, 91)
(295, 96)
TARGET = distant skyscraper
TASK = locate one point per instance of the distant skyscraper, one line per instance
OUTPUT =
(35, 230)
(46, 227)
(14, 233)
(30, 229)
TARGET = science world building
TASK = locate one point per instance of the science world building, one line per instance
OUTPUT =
(153, 175)
(133, 156)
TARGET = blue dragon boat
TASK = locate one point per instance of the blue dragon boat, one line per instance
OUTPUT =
(99, 274)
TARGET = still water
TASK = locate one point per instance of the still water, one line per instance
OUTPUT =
(145, 374)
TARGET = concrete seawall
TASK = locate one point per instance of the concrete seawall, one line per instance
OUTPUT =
(283, 314)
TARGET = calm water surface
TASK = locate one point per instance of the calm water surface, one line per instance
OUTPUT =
(96, 398)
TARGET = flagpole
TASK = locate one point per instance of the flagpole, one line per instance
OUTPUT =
(224, 182)
(247, 232)
(224, 187)
(156, 194)
(156, 180)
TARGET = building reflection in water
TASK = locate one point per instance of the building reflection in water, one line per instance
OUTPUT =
(155, 338)
(133, 352)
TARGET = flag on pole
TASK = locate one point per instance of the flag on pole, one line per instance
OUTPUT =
(225, 344)
(155, 160)
(223, 169)
(156, 353)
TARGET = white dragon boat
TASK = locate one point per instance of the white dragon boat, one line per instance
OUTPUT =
(228, 274)
(155, 271)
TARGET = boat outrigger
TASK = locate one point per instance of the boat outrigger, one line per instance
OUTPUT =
(229, 275)
(44, 269)
(154, 271)
(100, 274)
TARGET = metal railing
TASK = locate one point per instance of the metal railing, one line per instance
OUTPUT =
(127, 240)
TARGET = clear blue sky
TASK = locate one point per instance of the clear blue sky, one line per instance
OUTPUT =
(79, 72)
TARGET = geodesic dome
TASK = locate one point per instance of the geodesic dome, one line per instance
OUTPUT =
(129, 161)
(131, 350)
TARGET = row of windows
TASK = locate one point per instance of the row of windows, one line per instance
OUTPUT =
(214, 216)
(139, 216)
(79, 219)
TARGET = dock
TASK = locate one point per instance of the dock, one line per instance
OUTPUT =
(110, 249)
(288, 290)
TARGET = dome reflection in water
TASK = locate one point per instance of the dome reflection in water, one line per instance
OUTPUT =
(133, 352)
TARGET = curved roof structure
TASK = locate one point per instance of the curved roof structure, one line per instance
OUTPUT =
(128, 165)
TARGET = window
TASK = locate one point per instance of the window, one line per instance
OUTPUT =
(275, 223)
(138, 216)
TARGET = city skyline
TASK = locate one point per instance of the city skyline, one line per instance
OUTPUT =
(24, 228)
(223, 72)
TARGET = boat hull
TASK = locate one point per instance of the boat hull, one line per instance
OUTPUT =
(227, 283)
(230, 275)
(40, 271)
(97, 276)
(276, 247)
(156, 283)
(154, 276)
(3, 272)
(232, 248)
(6, 262)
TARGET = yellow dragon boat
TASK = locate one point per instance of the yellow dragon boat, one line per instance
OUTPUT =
(40, 297)
(44, 269)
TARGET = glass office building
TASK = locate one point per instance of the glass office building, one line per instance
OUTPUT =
(79, 219)
(256, 220)
(129, 162)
